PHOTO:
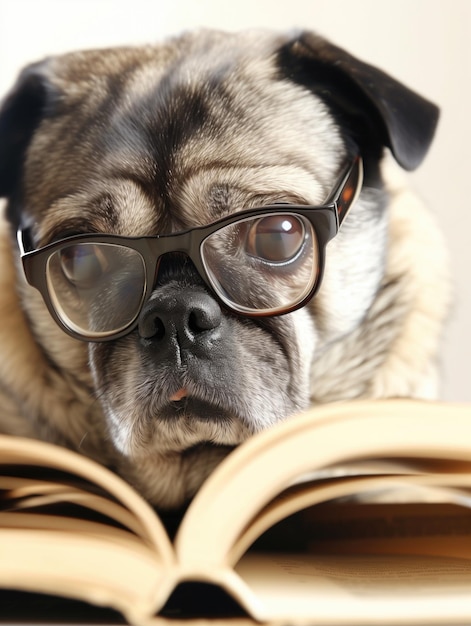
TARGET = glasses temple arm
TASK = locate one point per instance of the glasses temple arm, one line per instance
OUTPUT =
(349, 190)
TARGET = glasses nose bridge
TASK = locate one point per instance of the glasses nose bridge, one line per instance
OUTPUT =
(173, 243)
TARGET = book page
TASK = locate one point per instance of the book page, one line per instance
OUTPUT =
(255, 473)
(88, 565)
(358, 589)
(413, 529)
(445, 488)
(69, 527)
(21, 489)
(53, 495)
(355, 562)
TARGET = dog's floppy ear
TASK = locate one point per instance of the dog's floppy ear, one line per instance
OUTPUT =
(29, 101)
(376, 109)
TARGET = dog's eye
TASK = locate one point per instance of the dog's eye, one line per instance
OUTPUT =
(83, 264)
(277, 238)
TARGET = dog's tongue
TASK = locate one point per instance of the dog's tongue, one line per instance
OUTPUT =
(178, 395)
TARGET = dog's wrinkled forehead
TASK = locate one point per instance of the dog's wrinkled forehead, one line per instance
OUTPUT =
(203, 124)
(179, 134)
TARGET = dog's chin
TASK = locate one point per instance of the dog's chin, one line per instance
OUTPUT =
(182, 447)
(180, 475)
(167, 450)
(175, 427)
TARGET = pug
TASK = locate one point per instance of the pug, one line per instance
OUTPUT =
(203, 238)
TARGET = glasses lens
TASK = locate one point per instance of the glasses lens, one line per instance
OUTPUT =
(96, 288)
(263, 264)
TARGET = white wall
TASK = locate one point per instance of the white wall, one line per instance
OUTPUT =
(424, 43)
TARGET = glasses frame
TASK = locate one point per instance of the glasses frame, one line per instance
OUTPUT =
(325, 219)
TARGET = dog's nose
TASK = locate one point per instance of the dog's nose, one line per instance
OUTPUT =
(186, 316)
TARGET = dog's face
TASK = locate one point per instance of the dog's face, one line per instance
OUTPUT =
(158, 140)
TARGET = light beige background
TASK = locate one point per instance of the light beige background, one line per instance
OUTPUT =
(424, 43)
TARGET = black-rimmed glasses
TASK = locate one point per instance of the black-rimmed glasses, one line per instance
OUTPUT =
(259, 262)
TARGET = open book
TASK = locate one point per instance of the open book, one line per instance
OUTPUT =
(352, 513)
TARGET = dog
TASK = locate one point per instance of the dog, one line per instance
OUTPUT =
(203, 238)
